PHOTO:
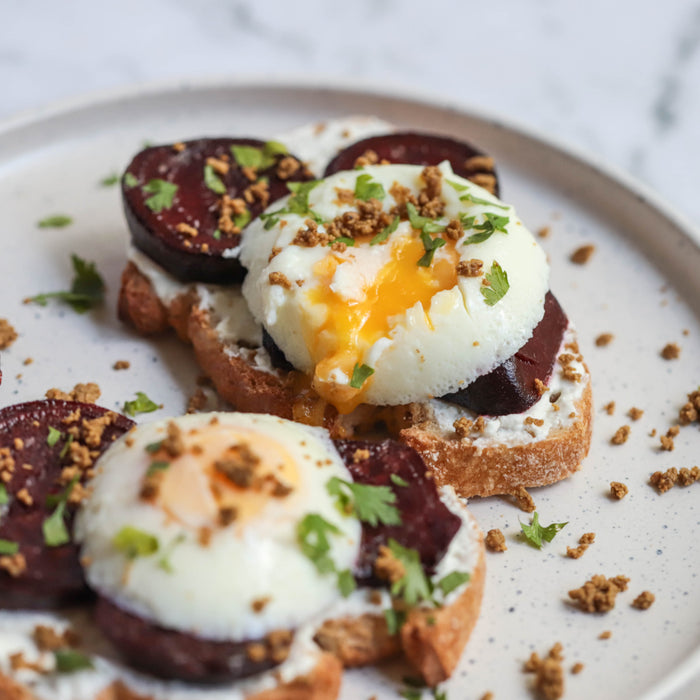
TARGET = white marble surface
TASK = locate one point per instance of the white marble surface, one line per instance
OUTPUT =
(617, 80)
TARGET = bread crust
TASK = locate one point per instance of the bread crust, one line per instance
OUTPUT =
(498, 469)
(322, 683)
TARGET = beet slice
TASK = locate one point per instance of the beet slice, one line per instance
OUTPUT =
(418, 149)
(53, 575)
(510, 388)
(170, 654)
(427, 525)
(207, 256)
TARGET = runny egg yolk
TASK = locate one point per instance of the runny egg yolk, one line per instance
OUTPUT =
(224, 476)
(352, 327)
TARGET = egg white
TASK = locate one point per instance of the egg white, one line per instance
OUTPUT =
(428, 350)
(209, 590)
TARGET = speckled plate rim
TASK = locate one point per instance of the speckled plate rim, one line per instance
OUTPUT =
(680, 678)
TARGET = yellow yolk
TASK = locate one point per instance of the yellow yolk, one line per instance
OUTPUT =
(351, 328)
(194, 491)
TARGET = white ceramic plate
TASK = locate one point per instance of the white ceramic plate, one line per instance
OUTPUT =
(642, 284)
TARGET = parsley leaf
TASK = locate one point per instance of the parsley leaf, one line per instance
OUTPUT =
(343, 239)
(453, 580)
(164, 562)
(162, 194)
(213, 181)
(394, 620)
(157, 466)
(70, 660)
(417, 222)
(110, 180)
(312, 536)
(54, 436)
(537, 534)
(497, 286)
(241, 219)
(258, 158)
(414, 585)
(141, 404)
(478, 200)
(87, 288)
(54, 527)
(385, 232)
(346, 582)
(396, 479)
(133, 542)
(66, 447)
(430, 245)
(360, 374)
(55, 221)
(298, 204)
(130, 180)
(411, 694)
(491, 224)
(4, 498)
(8, 547)
(371, 504)
(366, 188)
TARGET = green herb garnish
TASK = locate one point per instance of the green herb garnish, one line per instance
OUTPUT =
(130, 180)
(343, 239)
(4, 497)
(164, 562)
(109, 180)
(153, 447)
(537, 534)
(213, 181)
(430, 245)
(394, 620)
(87, 288)
(55, 221)
(162, 194)
(360, 374)
(312, 536)
(396, 479)
(497, 286)
(258, 158)
(141, 404)
(71, 660)
(157, 466)
(478, 200)
(8, 547)
(297, 204)
(492, 223)
(66, 447)
(346, 582)
(54, 436)
(414, 586)
(242, 219)
(132, 542)
(417, 222)
(370, 504)
(453, 580)
(385, 232)
(54, 527)
(366, 188)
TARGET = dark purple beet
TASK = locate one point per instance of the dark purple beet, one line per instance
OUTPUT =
(426, 524)
(53, 575)
(193, 258)
(168, 653)
(416, 149)
(510, 388)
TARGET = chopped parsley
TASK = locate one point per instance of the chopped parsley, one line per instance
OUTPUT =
(258, 158)
(55, 221)
(164, 561)
(419, 222)
(537, 534)
(492, 223)
(385, 232)
(414, 586)
(241, 219)
(213, 181)
(132, 542)
(366, 188)
(453, 580)
(394, 620)
(216, 235)
(130, 180)
(360, 374)
(430, 245)
(343, 239)
(156, 466)
(54, 527)
(396, 479)
(71, 660)
(370, 504)
(110, 180)
(298, 204)
(66, 447)
(154, 446)
(8, 547)
(141, 404)
(162, 194)
(346, 582)
(478, 200)
(54, 436)
(4, 498)
(87, 288)
(497, 286)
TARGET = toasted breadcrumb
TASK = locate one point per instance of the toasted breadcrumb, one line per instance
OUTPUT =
(220, 167)
(577, 668)
(85, 393)
(644, 600)
(544, 231)
(523, 500)
(18, 662)
(582, 254)
(287, 167)
(663, 481)
(259, 604)
(121, 364)
(256, 652)
(585, 541)
(621, 435)
(599, 593)
(618, 490)
(387, 566)
(495, 541)
(480, 162)
(359, 455)
(197, 401)
(609, 408)
(635, 413)
(470, 268)
(281, 279)
(8, 334)
(690, 411)
(179, 147)
(485, 180)
(604, 339)
(14, 564)
(487, 696)
(47, 639)
(463, 427)
(188, 230)
(671, 351)
(605, 634)
(549, 673)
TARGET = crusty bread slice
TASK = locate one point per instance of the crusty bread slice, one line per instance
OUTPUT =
(322, 683)
(490, 460)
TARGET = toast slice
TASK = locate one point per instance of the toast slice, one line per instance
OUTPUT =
(477, 455)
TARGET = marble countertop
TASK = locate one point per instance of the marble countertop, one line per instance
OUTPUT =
(615, 80)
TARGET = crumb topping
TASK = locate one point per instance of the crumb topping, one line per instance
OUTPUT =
(644, 600)
(47, 639)
(585, 541)
(604, 339)
(524, 500)
(671, 351)
(621, 435)
(599, 593)
(85, 393)
(359, 455)
(387, 566)
(635, 413)
(121, 364)
(470, 268)
(618, 490)
(549, 673)
(664, 481)
(495, 541)
(280, 279)
(609, 408)
(582, 254)
(8, 334)
(14, 564)
(238, 465)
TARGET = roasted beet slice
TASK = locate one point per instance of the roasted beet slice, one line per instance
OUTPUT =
(173, 197)
(510, 388)
(178, 655)
(426, 523)
(421, 149)
(32, 458)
